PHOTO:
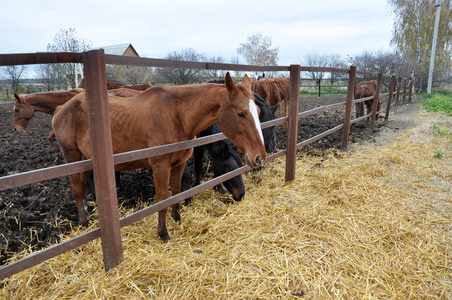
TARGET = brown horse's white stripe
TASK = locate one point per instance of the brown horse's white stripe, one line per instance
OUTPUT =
(255, 114)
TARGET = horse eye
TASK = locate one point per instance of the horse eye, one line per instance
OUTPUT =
(241, 115)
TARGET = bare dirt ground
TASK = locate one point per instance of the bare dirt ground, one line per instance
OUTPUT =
(37, 215)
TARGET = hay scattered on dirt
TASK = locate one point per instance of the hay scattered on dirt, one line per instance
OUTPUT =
(374, 222)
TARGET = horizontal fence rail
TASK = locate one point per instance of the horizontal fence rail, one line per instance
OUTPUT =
(95, 61)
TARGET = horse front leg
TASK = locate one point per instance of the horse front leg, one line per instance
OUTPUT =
(78, 193)
(176, 181)
(198, 153)
(77, 182)
(161, 182)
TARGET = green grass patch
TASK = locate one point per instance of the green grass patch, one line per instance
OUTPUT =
(438, 102)
(441, 131)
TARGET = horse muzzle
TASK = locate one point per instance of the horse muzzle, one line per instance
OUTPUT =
(19, 129)
(254, 163)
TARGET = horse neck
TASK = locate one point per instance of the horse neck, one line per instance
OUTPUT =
(200, 112)
(47, 102)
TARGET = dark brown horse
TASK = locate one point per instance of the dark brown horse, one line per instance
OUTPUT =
(366, 89)
(158, 116)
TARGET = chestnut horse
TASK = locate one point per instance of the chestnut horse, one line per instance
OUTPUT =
(158, 116)
(47, 102)
(273, 90)
(362, 90)
(112, 85)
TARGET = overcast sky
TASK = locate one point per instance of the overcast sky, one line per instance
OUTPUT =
(213, 28)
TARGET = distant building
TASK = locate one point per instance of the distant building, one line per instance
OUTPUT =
(123, 49)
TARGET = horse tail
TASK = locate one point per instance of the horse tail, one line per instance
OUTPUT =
(363, 90)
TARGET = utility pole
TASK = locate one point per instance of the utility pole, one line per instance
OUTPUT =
(432, 57)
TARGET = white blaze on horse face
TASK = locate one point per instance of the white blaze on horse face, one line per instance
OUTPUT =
(255, 114)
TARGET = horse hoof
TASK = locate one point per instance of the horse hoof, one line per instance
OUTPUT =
(187, 201)
(164, 236)
(176, 216)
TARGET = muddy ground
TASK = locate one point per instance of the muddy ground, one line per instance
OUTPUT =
(36, 215)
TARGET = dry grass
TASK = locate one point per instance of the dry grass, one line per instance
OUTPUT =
(372, 223)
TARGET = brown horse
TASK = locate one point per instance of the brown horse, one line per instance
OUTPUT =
(46, 102)
(273, 90)
(362, 90)
(112, 85)
(158, 116)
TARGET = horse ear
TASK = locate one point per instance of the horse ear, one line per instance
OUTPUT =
(246, 81)
(274, 108)
(18, 98)
(229, 83)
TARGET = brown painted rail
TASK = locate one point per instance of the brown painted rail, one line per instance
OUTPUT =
(103, 159)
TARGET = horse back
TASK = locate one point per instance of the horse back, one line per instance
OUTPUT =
(365, 89)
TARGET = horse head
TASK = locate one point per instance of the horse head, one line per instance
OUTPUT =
(225, 160)
(239, 121)
(22, 113)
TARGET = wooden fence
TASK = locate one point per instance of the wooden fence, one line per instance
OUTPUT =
(103, 159)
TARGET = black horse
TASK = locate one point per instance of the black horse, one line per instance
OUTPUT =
(224, 160)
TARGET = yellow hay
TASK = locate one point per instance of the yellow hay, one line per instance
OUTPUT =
(372, 223)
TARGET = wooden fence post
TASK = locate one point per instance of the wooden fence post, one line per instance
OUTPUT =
(349, 106)
(404, 90)
(398, 94)
(410, 92)
(391, 94)
(103, 164)
(292, 131)
(375, 103)
(320, 83)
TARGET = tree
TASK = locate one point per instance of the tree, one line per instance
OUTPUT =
(131, 75)
(258, 51)
(413, 33)
(66, 41)
(316, 60)
(14, 73)
(52, 76)
(336, 61)
(385, 62)
(378, 62)
(216, 74)
(180, 75)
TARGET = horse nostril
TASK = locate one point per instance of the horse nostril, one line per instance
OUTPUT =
(257, 160)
